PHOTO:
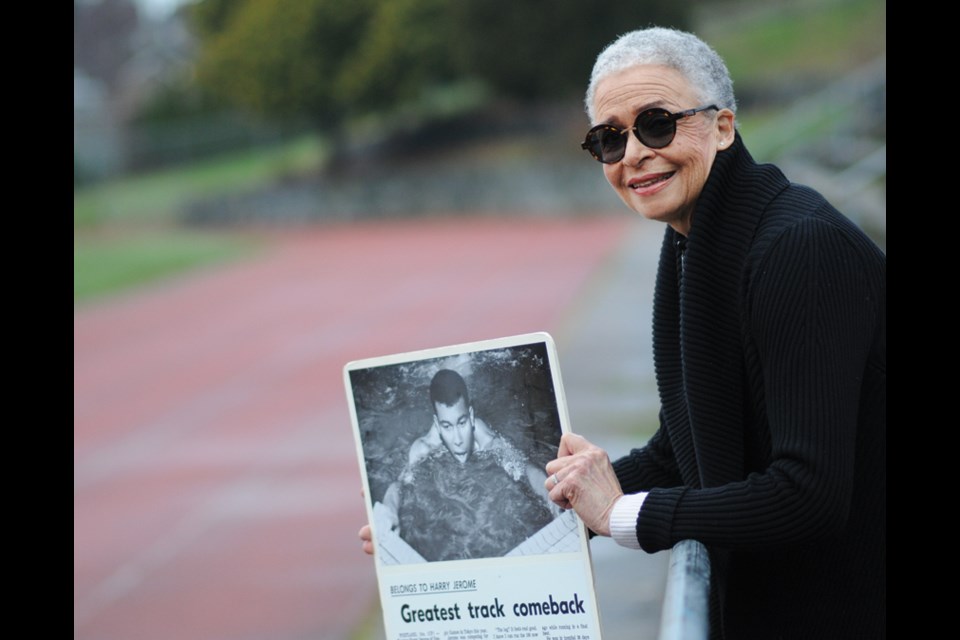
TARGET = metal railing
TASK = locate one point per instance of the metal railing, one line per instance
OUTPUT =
(686, 606)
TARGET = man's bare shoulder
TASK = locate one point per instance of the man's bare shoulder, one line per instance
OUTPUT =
(483, 435)
(422, 447)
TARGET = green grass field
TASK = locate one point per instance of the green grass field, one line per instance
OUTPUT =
(126, 232)
(105, 263)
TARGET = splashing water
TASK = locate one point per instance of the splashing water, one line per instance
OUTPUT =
(477, 509)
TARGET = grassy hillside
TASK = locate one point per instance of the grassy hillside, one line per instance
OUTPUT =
(766, 43)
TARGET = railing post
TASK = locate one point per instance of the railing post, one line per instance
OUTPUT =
(686, 606)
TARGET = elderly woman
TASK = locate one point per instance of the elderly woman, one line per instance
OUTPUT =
(770, 353)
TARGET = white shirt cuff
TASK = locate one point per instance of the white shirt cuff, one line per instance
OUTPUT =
(623, 520)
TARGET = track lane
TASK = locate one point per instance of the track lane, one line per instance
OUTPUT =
(216, 487)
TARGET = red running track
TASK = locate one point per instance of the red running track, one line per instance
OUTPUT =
(216, 485)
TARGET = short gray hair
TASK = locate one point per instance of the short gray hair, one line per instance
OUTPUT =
(695, 59)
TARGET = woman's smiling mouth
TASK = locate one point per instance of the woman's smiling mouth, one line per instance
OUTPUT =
(649, 182)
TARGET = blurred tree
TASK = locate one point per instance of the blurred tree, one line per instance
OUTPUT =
(280, 58)
(405, 49)
(545, 48)
(325, 59)
(210, 17)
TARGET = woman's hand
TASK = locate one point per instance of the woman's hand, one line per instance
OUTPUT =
(582, 479)
(366, 535)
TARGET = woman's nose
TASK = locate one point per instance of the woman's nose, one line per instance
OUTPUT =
(636, 152)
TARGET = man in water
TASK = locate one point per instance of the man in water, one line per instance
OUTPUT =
(455, 429)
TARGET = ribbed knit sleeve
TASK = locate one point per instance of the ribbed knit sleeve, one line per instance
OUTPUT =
(648, 467)
(813, 299)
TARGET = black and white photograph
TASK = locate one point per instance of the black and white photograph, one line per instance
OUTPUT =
(454, 448)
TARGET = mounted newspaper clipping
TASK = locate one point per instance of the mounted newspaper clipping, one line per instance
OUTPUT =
(452, 444)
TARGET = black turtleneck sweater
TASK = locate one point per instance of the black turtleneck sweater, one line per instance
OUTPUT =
(770, 354)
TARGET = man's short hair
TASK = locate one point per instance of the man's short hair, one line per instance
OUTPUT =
(447, 387)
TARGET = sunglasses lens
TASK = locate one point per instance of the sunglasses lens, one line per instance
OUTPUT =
(656, 128)
(607, 144)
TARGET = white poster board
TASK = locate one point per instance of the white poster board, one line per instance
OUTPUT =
(452, 443)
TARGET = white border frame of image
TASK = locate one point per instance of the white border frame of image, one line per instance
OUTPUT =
(388, 541)
(452, 566)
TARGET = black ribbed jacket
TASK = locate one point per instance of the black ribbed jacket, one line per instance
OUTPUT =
(770, 353)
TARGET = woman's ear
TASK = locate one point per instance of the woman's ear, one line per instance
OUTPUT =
(725, 128)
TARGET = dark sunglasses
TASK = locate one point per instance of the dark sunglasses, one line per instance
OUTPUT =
(655, 128)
